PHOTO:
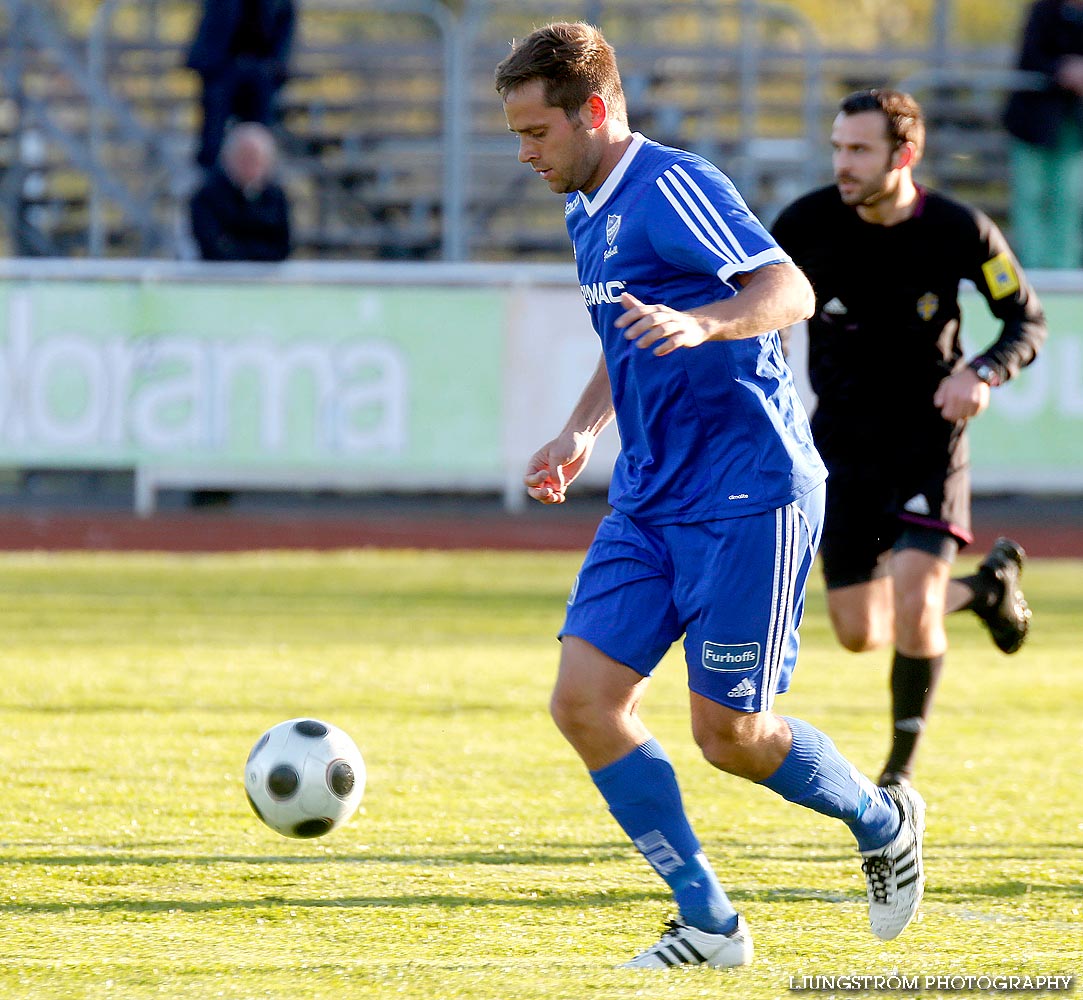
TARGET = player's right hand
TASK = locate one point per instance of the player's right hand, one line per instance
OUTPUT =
(658, 326)
(544, 487)
(554, 467)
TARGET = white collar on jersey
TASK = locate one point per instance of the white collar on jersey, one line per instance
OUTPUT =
(609, 185)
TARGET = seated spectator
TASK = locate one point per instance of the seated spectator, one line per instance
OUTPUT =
(240, 211)
(241, 50)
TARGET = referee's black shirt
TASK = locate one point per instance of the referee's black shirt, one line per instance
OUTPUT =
(886, 328)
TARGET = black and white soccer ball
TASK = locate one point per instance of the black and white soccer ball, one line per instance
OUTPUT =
(304, 778)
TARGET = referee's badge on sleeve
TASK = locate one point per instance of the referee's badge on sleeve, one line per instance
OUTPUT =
(1000, 276)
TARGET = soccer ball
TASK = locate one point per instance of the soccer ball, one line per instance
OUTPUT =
(304, 778)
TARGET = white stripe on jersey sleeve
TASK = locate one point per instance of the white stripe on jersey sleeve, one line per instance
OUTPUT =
(736, 251)
(718, 238)
(682, 205)
(772, 255)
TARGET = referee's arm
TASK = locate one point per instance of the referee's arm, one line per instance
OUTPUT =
(1005, 286)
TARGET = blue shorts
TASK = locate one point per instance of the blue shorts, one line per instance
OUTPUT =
(735, 588)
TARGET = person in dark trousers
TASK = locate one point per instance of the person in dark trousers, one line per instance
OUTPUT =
(1046, 126)
(895, 394)
(240, 212)
(241, 51)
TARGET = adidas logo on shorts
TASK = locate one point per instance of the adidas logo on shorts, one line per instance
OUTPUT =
(742, 690)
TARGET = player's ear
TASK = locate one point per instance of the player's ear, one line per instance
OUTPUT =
(597, 112)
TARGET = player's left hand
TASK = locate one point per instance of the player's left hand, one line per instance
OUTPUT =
(961, 396)
(659, 326)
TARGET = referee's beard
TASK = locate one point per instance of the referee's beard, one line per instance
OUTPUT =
(865, 194)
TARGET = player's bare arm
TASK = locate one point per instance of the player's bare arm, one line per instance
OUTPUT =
(771, 297)
(555, 466)
(961, 396)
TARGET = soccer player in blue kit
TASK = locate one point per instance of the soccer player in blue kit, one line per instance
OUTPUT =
(717, 496)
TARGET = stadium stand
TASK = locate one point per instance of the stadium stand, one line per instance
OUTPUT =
(394, 144)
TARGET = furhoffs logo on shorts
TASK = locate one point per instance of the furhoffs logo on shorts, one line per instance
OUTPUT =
(724, 657)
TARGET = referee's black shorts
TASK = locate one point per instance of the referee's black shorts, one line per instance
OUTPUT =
(873, 508)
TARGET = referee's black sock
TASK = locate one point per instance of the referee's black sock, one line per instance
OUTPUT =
(913, 680)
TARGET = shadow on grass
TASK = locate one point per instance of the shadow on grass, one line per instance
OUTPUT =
(1005, 890)
(441, 901)
(532, 898)
(574, 855)
(418, 707)
(1016, 852)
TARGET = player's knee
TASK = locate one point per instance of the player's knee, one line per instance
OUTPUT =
(861, 623)
(860, 635)
(720, 752)
(732, 756)
(563, 709)
(574, 712)
(726, 746)
(919, 610)
(858, 642)
(749, 745)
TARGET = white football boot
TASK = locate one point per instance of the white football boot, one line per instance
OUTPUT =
(895, 874)
(684, 945)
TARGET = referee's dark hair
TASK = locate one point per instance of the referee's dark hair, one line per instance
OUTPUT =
(905, 121)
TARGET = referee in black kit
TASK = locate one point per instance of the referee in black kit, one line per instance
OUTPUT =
(885, 257)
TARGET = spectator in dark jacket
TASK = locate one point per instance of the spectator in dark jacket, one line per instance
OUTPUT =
(240, 211)
(1046, 125)
(241, 50)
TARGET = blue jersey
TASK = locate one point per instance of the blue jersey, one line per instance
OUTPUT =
(711, 432)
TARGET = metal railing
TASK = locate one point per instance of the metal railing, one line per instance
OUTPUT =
(35, 30)
(103, 104)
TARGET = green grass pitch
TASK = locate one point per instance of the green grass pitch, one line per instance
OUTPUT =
(482, 865)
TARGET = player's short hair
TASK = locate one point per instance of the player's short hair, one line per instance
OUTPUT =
(573, 60)
(903, 115)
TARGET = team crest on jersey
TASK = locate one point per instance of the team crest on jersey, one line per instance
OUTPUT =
(612, 225)
(928, 305)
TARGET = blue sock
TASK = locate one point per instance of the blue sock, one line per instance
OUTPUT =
(642, 794)
(814, 774)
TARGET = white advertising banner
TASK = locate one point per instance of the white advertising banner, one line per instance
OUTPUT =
(381, 376)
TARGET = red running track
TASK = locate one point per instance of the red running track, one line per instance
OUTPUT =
(1042, 534)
